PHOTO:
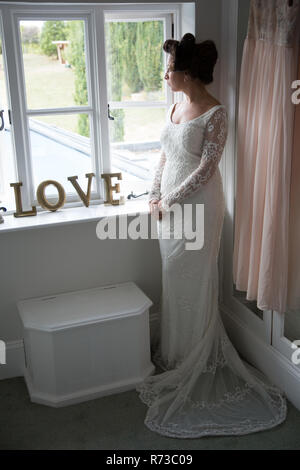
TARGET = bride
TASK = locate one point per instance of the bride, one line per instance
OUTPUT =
(203, 387)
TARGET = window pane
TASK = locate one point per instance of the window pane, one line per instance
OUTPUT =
(54, 63)
(135, 61)
(61, 147)
(8, 173)
(135, 145)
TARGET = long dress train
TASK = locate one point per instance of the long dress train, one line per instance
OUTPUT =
(206, 388)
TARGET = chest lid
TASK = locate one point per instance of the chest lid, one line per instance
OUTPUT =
(55, 312)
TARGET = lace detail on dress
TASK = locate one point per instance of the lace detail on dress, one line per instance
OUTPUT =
(155, 189)
(224, 340)
(185, 304)
(229, 397)
(158, 361)
(273, 20)
(238, 396)
(210, 428)
(215, 135)
(219, 361)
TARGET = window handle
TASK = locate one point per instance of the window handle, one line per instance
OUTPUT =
(2, 120)
(134, 195)
(109, 116)
(9, 116)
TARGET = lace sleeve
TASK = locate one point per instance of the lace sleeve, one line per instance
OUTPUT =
(155, 189)
(214, 140)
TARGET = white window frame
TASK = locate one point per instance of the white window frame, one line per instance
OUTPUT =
(93, 14)
(279, 340)
(90, 109)
(147, 16)
(230, 304)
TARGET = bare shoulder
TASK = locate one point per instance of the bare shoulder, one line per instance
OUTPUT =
(213, 102)
(217, 103)
(197, 107)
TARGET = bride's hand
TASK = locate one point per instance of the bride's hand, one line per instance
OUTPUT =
(155, 209)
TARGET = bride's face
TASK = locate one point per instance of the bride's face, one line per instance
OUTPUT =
(174, 79)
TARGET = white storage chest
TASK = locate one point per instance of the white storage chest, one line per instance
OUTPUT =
(86, 344)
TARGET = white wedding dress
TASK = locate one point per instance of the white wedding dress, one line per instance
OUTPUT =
(205, 387)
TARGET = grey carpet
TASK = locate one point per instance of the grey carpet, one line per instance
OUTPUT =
(114, 422)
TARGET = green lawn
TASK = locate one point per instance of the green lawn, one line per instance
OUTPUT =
(49, 84)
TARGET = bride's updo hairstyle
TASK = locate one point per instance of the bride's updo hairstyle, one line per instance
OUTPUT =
(196, 59)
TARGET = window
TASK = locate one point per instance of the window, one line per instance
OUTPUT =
(82, 90)
(8, 170)
(59, 106)
(137, 95)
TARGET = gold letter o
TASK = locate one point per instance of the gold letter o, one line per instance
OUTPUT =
(42, 198)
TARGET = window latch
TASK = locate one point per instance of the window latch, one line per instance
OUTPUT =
(2, 120)
(134, 195)
(109, 116)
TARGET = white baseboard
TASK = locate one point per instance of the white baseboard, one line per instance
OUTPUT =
(15, 360)
(264, 357)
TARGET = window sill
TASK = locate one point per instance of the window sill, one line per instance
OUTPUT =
(72, 215)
